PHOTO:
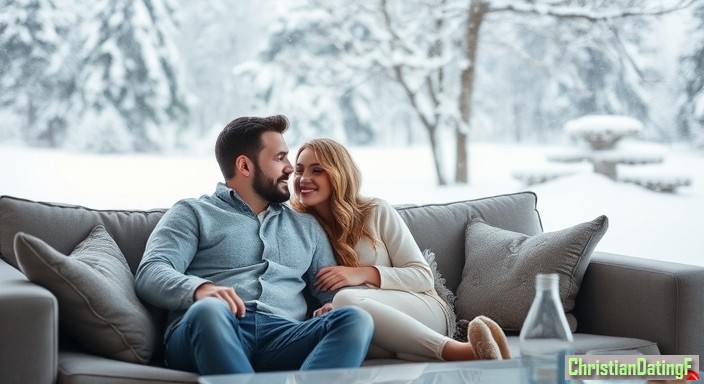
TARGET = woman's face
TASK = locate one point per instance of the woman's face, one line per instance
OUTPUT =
(311, 182)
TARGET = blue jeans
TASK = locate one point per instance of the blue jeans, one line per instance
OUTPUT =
(210, 339)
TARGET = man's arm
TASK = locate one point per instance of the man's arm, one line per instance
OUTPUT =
(161, 278)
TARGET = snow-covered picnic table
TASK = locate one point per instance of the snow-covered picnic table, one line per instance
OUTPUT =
(603, 132)
(603, 135)
(605, 161)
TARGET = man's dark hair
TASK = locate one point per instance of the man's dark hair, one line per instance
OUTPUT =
(242, 136)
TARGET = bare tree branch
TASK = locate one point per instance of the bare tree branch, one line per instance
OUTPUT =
(390, 28)
(565, 12)
(400, 79)
(627, 54)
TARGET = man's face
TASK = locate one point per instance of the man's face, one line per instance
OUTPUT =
(273, 169)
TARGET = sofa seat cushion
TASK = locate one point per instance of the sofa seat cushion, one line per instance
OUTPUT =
(498, 280)
(98, 305)
(82, 368)
(583, 343)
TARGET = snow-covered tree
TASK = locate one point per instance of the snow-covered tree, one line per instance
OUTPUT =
(131, 94)
(316, 90)
(213, 36)
(691, 115)
(558, 69)
(432, 56)
(329, 64)
(33, 76)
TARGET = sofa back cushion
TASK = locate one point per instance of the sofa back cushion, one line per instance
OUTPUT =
(441, 227)
(64, 226)
(437, 227)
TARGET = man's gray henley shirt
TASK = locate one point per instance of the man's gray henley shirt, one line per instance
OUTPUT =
(219, 239)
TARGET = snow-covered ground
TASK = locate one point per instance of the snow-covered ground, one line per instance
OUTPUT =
(642, 223)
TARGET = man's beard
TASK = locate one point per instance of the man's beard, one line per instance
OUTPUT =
(269, 188)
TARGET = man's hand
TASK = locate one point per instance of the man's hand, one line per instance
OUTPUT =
(332, 278)
(226, 293)
(322, 310)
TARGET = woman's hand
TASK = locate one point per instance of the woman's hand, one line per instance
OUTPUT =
(332, 278)
(322, 310)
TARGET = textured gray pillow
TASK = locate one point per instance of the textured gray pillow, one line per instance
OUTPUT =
(498, 279)
(98, 306)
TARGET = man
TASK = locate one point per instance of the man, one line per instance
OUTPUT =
(232, 269)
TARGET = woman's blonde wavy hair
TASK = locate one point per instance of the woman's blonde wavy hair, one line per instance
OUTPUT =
(349, 210)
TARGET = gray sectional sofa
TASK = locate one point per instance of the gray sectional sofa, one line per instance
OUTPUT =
(622, 302)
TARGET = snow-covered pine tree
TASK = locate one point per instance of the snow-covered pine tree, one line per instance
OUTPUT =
(33, 74)
(131, 92)
(691, 113)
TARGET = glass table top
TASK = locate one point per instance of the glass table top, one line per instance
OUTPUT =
(497, 371)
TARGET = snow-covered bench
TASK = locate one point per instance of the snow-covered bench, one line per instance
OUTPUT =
(660, 182)
(531, 176)
(605, 161)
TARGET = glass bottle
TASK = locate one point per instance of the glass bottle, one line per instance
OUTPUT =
(545, 336)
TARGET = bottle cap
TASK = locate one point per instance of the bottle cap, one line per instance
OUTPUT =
(546, 281)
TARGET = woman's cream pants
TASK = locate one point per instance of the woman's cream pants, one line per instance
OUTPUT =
(407, 325)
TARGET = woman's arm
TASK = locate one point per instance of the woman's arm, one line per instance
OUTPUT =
(397, 264)
(332, 278)
(408, 269)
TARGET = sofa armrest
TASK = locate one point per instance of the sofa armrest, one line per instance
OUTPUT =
(647, 299)
(28, 329)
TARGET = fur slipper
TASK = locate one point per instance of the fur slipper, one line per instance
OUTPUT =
(482, 341)
(499, 336)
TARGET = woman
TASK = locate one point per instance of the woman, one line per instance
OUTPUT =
(381, 264)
